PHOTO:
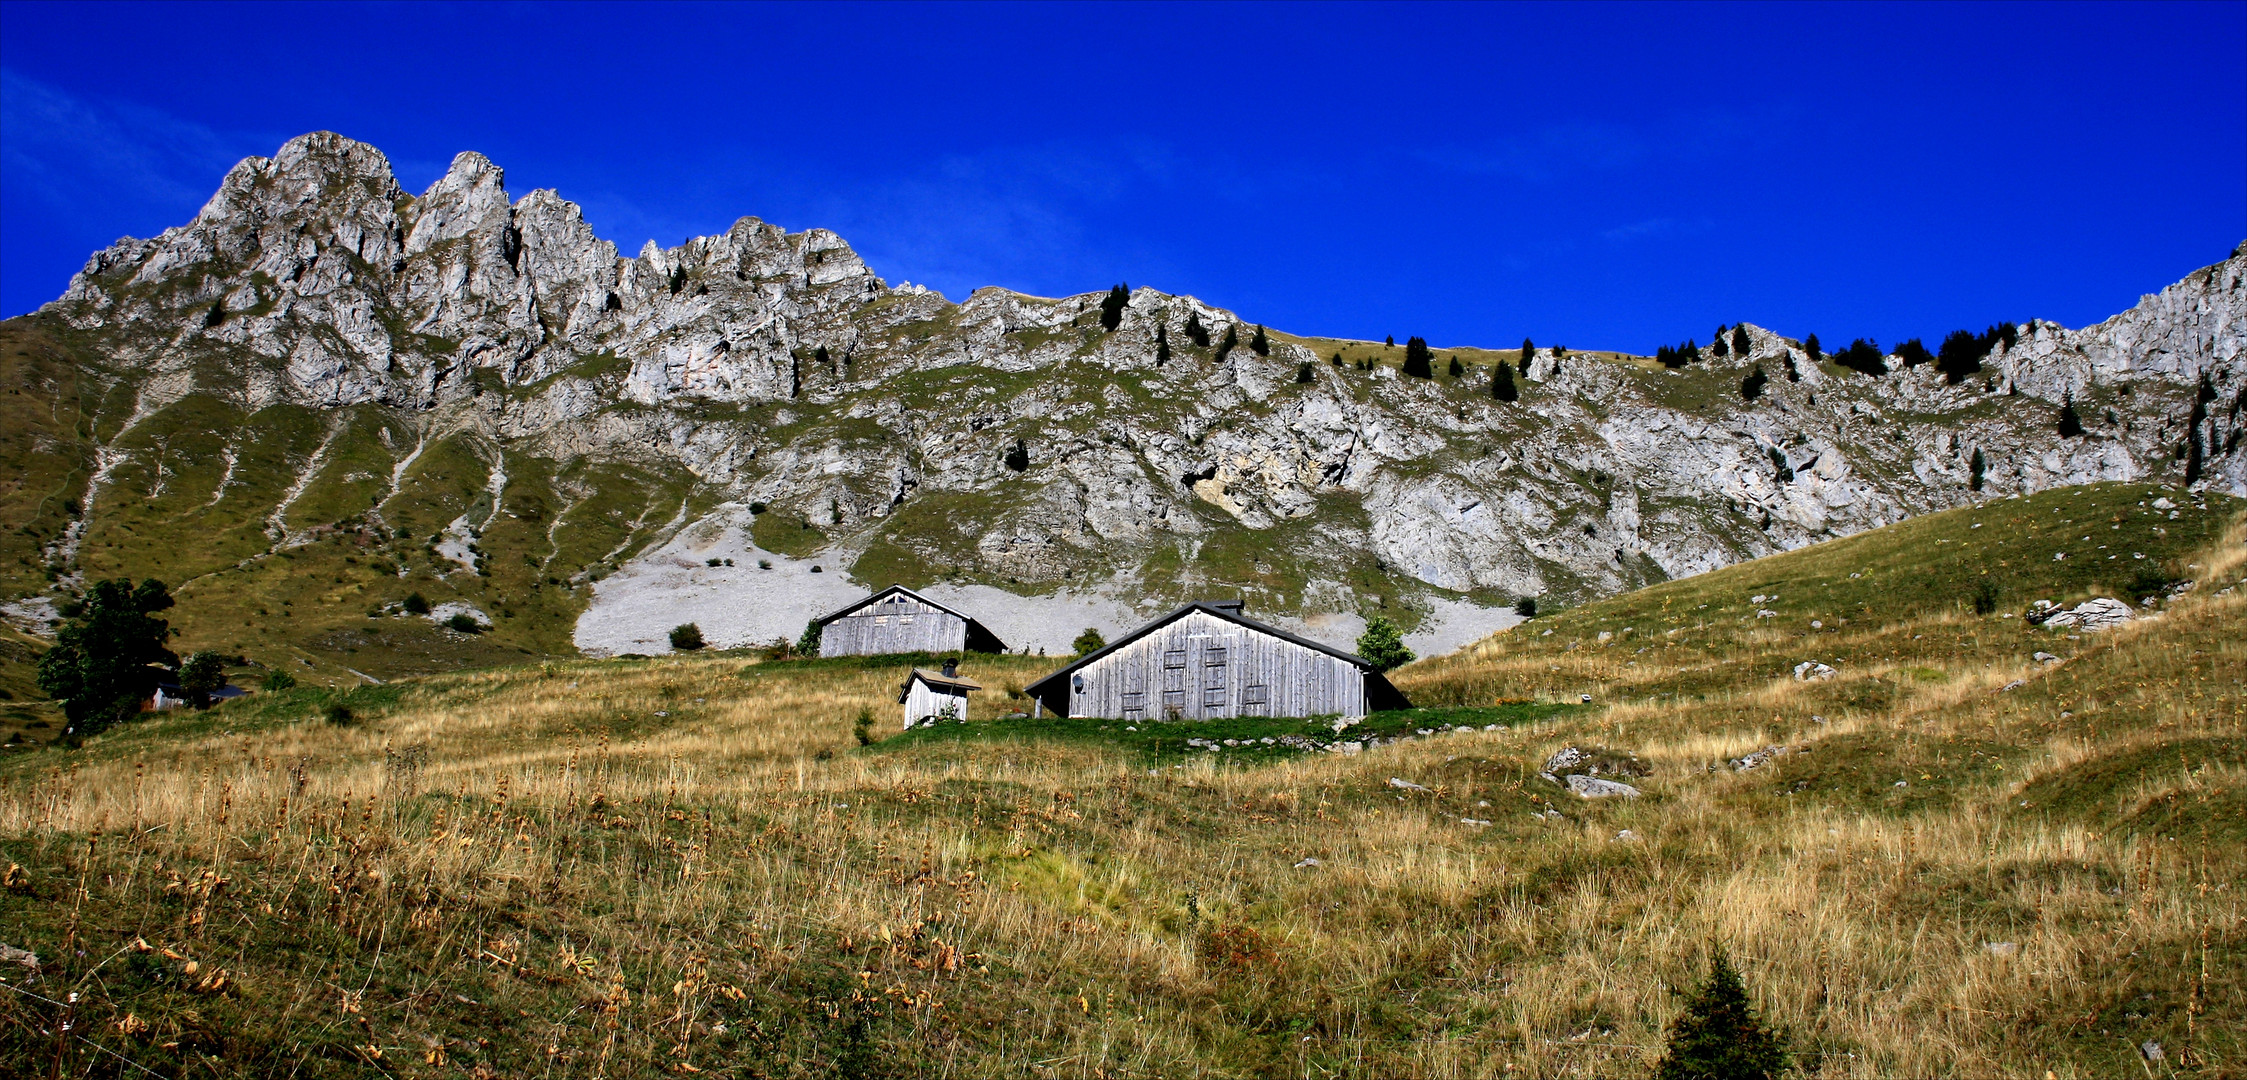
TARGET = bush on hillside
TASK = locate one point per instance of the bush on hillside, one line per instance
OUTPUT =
(1089, 642)
(1018, 456)
(1416, 359)
(1719, 345)
(1382, 645)
(416, 604)
(1985, 596)
(1526, 607)
(1112, 307)
(1231, 339)
(686, 637)
(277, 681)
(465, 623)
(1457, 369)
(1717, 1037)
(862, 728)
(1810, 348)
(1975, 469)
(1303, 372)
(1752, 386)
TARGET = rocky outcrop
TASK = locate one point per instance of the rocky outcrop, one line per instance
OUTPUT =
(1013, 439)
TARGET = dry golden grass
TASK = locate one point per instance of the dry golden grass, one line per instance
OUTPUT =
(689, 865)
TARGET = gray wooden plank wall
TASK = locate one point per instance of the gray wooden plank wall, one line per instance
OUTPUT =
(895, 624)
(923, 701)
(1207, 668)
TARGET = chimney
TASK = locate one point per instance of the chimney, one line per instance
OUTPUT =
(951, 668)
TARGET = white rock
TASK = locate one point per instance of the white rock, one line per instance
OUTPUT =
(1812, 669)
(1592, 787)
(2102, 613)
(1402, 784)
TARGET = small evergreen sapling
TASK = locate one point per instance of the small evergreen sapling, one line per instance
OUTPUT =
(808, 644)
(1382, 645)
(1717, 1037)
(1457, 369)
(1985, 596)
(1975, 470)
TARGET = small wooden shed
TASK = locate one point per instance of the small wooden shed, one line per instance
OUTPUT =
(935, 695)
(899, 620)
(1206, 661)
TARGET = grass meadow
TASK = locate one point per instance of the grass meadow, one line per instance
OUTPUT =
(1968, 862)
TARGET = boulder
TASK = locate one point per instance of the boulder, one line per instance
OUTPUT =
(2102, 613)
(1592, 787)
(1811, 669)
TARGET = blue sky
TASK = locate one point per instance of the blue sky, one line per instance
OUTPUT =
(1598, 176)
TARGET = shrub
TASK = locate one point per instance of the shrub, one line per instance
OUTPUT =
(1985, 596)
(862, 728)
(2151, 579)
(686, 637)
(338, 713)
(715, 562)
(417, 604)
(1526, 607)
(1752, 386)
(1195, 331)
(200, 676)
(1232, 338)
(1112, 308)
(1018, 458)
(277, 681)
(1089, 642)
(1741, 343)
(1416, 359)
(465, 623)
(1717, 1037)
(1382, 645)
(758, 508)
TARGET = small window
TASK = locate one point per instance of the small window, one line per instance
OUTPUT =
(1135, 702)
(1257, 694)
(1175, 658)
(1174, 697)
(1215, 695)
(1213, 655)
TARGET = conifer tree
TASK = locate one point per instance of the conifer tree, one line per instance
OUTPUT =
(1390, 341)
(2070, 425)
(1913, 353)
(1502, 383)
(1752, 386)
(1719, 345)
(1560, 352)
(1794, 374)
(1337, 358)
(1961, 355)
(1975, 470)
(1231, 339)
(1258, 344)
(1382, 645)
(1717, 1037)
(1742, 344)
(1303, 372)
(1457, 368)
(1810, 348)
(1416, 359)
(1112, 307)
(1528, 354)
(1018, 457)
(1162, 344)
(1864, 357)
(1195, 331)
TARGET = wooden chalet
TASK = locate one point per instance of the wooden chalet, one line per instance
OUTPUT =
(1205, 661)
(899, 620)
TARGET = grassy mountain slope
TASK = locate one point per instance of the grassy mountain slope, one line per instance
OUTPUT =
(689, 865)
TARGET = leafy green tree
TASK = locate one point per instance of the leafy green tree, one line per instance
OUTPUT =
(1195, 331)
(686, 637)
(1457, 369)
(808, 644)
(103, 663)
(1717, 1037)
(1416, 357)
(1259, 344)
(1112, 308)
(1089, 642)
(1382, 645)
(200, 676)
(1502, 383)
(1162, 344)
(2070, 425)
(1752, 386)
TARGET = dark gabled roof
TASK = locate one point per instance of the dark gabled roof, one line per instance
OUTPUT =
(936, 679)
(1230, 611)
(871, 597)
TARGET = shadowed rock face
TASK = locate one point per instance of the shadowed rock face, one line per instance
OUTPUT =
(776, 367)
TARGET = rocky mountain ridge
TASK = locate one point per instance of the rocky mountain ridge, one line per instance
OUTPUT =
(483, 399)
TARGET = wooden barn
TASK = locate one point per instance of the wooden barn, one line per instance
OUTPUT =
(1205, 661)
(899, 620)
(934, 696)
